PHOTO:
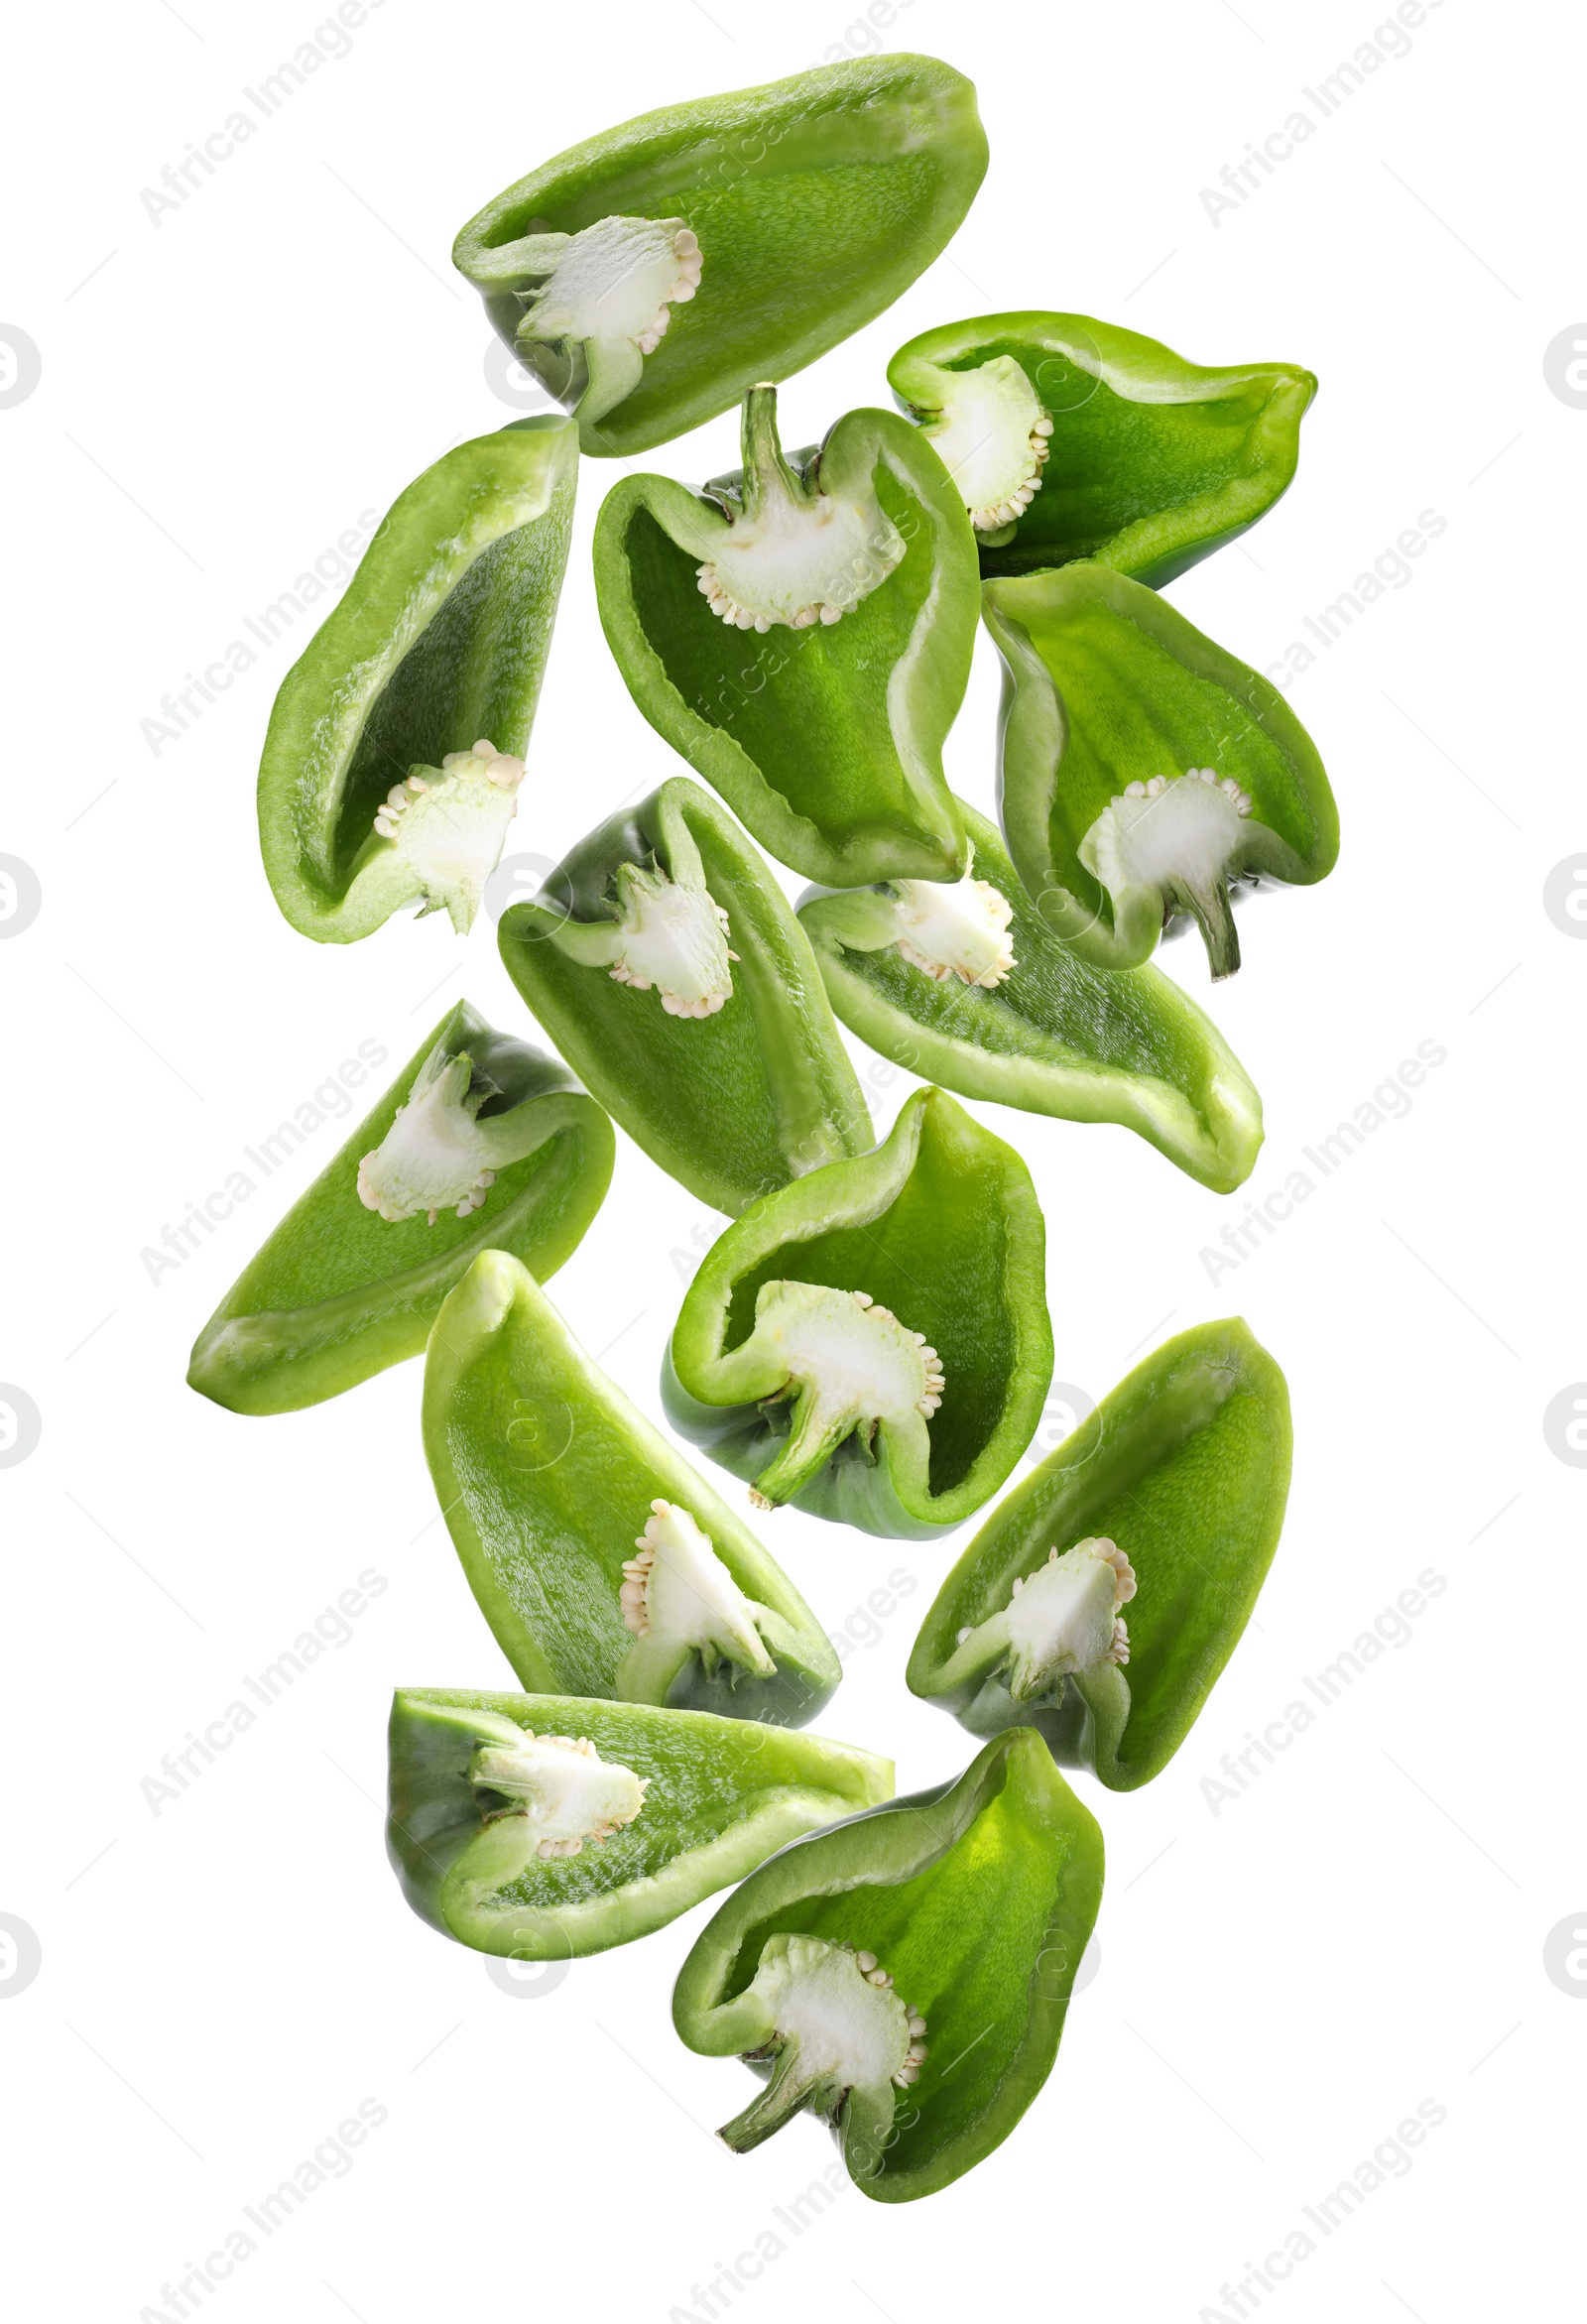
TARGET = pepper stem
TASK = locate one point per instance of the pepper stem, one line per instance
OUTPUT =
(791, 2085)
(767, 474)
(1209, 904)
(817, 1432)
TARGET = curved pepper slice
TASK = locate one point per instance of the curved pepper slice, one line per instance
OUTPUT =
(663, 959)
(1073, 439)
(1100, 1600)
(650, 274)
(544, 1827)
(480, 1141)
(1144, 769)
(968, 984)
(602, 1561)
(872, 1343)
(803, 633)
(976, 1900)
(395, 749)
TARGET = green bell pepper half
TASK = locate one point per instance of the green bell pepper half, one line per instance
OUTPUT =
(652, 274)
(1167, 1501)
(1073, 439)
(604, 1564)
(718, 1796)
(1046, 1033)
(787, 1367)
(1113, 706)
(663, 959)
(801, 633)
(439, 646)
(339, 1292)
(977, 1899)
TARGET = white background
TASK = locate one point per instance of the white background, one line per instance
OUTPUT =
(1280, 1981)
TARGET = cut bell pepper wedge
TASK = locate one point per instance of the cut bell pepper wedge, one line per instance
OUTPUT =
(918, 973)
(1074, 438)
(1158, 1515)
(664, 960)
(339, 1291)
(652, 274)
(395, 745)
(603, 1562)
(872, 1343)
(716, 1798)
(800, 632)
(1143, 770)
(976, 1899)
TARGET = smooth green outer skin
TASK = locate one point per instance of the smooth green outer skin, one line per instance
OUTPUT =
(1104, 684)
(985, 1946)
(730, 1105)
(337, 1294)
(1152, 463)
(440, 640)
(817, 200)
(723, 1793)
(839, 768)
(941, 1224)
(545, 1474)
(1053, 1037)
(1185, 1464)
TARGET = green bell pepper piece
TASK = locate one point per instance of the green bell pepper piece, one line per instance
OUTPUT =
(967, 984)
(663, 959)
(787, 1369)
(490, 1807)
(497, 1146)
(602, 1561)
(977, 1899)
(396, 743)
(1113, 706)
(1168, 1500)
(802, 634)
(1073, 439)
(652, 274)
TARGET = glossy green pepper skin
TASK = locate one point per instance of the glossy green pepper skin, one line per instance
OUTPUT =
(812, 205)
(976, 1899)
(1052, 1035)
(1113, 702)
(720, 1795)
(339, 1292)
(439, 642)
(821, 727)
(1184, 1470)
(1146, 463)
(751, 1093)
(940, 1229)
(550, 1482)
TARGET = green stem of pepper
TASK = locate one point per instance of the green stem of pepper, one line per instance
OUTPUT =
(1210, 908)
(792, 2084)
(767, 474)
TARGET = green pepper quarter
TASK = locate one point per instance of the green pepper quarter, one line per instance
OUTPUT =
(652, 274)
(396, 746)
(965, 982)
(1143, 768)
(1073, 439)
(545, 1827)
(801, 633)
(480, 1141)
(602, 1561)
(903, 1417)
(663, 959)
(1101, 1600)
(976, 1900)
